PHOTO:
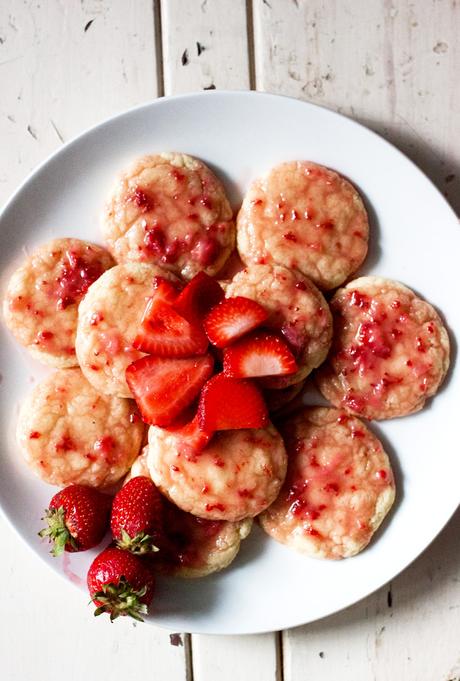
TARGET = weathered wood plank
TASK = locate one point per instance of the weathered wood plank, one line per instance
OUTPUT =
(63, 67)
(390, 65)
(51, 630)
(205, 45)
(407, 630)
(228, 658)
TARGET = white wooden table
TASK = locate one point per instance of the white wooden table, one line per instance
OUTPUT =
(394, 65)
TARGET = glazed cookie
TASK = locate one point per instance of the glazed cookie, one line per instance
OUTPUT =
(390, 351)
(108, 321)
(339, 486)
(305, 217)
(42, 297)
(71, 434)
(196, 546)
(236, 476)
(296, 308)
(170, 210)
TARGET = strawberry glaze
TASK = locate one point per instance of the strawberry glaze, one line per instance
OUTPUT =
(330, 503)
(43, 296)
(296, 309)
(390, 350)
(209, 485)
(79, 270)
(305, 217)
(190, 539)
(172, 211)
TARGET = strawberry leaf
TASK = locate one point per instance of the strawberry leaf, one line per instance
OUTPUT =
(140, 544)
(57, 531)
(119, 600)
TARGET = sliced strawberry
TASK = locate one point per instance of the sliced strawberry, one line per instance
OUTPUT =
(198, 297)
(228, 404)
(163, 387)
(260, 354)
(166, 333)
(164, 290)
(191, 438)
(232, 318)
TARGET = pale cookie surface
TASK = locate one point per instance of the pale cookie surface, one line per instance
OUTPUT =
(237, 475)
(296, 308)
(197, 547)
(390, 351)
(71, 434)
(170, 210)
(305, 217)
(43, 294)
(338, 489)
(108, 321)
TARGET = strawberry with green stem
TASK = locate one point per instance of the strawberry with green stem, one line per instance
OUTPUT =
(120, 583)
(137, 516)
(77, 519)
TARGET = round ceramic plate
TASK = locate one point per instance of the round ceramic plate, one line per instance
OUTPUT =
(415, 238)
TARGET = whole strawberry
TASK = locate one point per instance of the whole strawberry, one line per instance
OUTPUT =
(77, 519)
(137, 516)
(120, 583)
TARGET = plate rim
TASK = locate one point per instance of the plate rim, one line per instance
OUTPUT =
(74, 141)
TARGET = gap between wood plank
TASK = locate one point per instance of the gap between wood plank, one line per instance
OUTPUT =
(161, 91)
(193, 661)
(251, 56)
(189, 675)
(159, 47)
(279, 671)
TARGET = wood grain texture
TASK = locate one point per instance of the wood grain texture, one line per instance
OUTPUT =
(390, 65)
(205, 45)
(231, 658)
(49, 631)
(63, 67)
(407, 631)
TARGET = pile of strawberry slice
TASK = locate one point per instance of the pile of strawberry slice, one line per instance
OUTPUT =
(189, 336)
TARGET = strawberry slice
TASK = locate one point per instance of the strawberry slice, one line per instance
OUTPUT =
(166, 333)
(232, 318)
(260, 354)
(163, 387)
(164, 290)
(198, 297)
(230, 404)
(191, 438)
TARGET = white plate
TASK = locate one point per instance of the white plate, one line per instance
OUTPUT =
(415, 238)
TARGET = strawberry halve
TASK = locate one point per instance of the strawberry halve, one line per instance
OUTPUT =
(297, 311)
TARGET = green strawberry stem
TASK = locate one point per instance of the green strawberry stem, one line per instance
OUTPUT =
(140, 544)
(120, 599)
(57, 531)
